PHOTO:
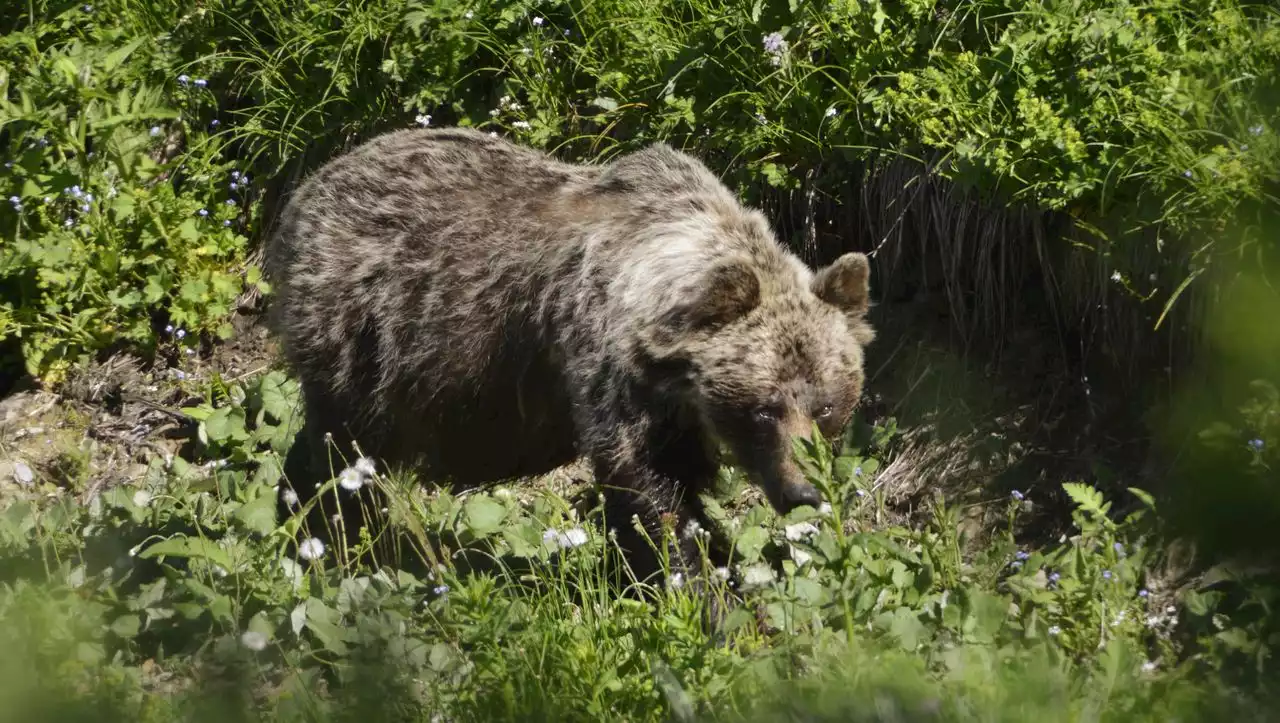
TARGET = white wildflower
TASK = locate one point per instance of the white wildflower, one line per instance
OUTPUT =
(365, 466)
(831, 112)
(351, 479)
(691, 529)
(757, 575)
(1148, 666)
(550, 535)
(825, 509)
(142, 498)
(290, 498)
(721, 573)
(253, 640)
(522, 125)
(800, 531)
(423, 120)
(572, 538)
(677, 581)
(538, 21)
(311, 549)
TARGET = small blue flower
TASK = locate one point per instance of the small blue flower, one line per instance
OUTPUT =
(155, 131)
(1256, 130)
(215, 123)
(1143, 593)
(181, 333)
(69, 223)
(180, 374)
(88, 8)
(567, 32)
(1187, 173)
(168, 329)
(1106, 574)
(1118, 547)
(15, 200)
(230, 202)
(203, 212)
(441, 589)
(85, 208)
(1054, 577)
(75, 191)
(8, 164)
(773, 42)
(1257, 444)
(201, 82)
(43, 142)
(184, 79)
(88, 197)
(1022, 555)
(234, 185)
(1016, 495)
(227, 222)
(235, 174)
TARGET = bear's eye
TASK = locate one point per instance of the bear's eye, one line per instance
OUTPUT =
(766, 414)
(825, 411)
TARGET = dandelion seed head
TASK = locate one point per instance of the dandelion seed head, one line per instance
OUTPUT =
(350, 479)
(311, 549)
(290, 498)
(572, 538)
(253, 640)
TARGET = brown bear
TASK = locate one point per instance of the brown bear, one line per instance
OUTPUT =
(475, 311)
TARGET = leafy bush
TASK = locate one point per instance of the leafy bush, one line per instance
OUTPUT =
(115, 234)
(1127, 116)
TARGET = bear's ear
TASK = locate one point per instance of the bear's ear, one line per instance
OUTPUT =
(845, 284)
(728, 291)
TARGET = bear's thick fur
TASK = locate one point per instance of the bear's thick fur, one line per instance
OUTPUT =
(476, 310)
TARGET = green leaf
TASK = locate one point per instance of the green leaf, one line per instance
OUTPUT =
(751, 542)
(259, 514)
(483, 515)
(192, 547)
(126, 626)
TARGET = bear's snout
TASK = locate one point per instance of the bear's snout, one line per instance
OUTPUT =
(797, 494)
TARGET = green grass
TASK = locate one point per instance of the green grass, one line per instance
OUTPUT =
(181, 598)
(172, 593)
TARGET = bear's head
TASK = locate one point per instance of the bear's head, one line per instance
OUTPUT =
(768, 354)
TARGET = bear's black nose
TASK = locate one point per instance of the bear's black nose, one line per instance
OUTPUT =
(802, 494)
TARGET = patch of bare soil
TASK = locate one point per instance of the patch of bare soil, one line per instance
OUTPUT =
(108, 421)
